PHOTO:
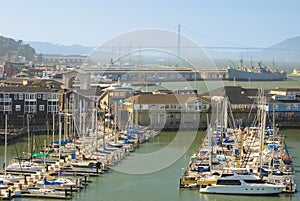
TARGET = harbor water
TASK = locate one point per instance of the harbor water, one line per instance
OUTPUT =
(208, 85)
(162, 184)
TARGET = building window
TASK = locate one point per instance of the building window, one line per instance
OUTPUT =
(42, 108)
(206, 107)
(122, 94)
(18, 108)
(15, 96)
(39, 96)
(30, 106)
(173, 107)
(45, 96)
(53, 106)
(20, 96)
(190, 106)
(31, 96)
(295, 106)
(153, 106)
(7, 108)
(288, 106)
(55, 96)
(145, 107)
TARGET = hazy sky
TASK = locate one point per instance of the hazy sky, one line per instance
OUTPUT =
(259, 23)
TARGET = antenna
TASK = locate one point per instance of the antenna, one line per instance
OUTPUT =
(241, 63)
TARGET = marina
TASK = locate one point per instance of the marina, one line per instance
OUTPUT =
(115, 185)
(104, 101)
(43, 175)
(87, 162)
(257, 157)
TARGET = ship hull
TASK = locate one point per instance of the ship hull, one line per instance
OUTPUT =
(235, 74)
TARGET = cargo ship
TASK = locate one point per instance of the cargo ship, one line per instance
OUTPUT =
(258, 73)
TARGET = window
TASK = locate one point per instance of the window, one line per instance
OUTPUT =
(30, 106)
(31, 96)
(45, 96)
(39, 96)
(122, 94)
(42, 108)
(288, 106)
(205, 107)
(295, 106)
(15, 96)
(153, 106)
(190, 106)
(173, 107)
(55, 96)
(145, 107)
(18, 108)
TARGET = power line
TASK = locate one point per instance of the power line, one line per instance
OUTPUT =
(214, 38)
(204, 47)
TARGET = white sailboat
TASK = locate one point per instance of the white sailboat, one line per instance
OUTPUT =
(5, 178)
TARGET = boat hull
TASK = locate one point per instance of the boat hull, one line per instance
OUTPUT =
(243, 190)
(235, 74)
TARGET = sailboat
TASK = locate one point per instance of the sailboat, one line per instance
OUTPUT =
(5, 178)
(266, 151)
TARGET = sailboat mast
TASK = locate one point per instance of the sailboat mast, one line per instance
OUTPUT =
(209, 129)
(59, 140)
(263, 122)
(28, 135)
(5, 144)
(53, 127)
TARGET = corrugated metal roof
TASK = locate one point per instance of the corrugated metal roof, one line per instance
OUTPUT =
(19, 89)
(235, 94)
(149, 98)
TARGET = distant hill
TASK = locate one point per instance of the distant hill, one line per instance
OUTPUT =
(288, 50)
(12, 50)
(50, 48)
(285, 51)
(288, 44)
